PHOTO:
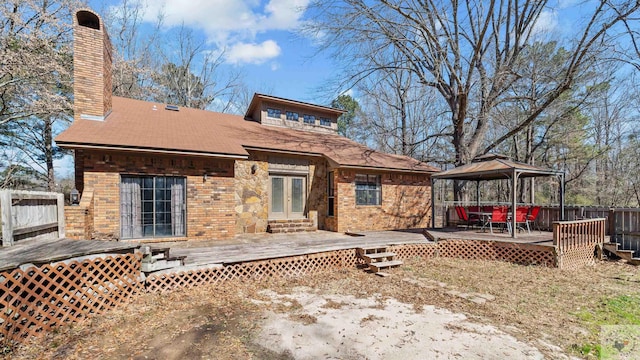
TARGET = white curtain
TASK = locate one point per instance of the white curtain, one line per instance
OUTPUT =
(177, 208)
(130, 208)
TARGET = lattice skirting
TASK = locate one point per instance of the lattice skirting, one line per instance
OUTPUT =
(36, 299)
(577, 256)
(518, 253)
(283, 267)
(405, 252)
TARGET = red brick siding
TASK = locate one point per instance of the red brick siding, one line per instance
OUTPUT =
(210, 202)
(92, 68)
(406, 203)
(79, 218)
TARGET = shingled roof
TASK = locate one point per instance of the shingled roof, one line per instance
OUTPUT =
(135, 125)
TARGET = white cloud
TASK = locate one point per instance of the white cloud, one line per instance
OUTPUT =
(232, 24)
(547, 21)
(253, 53)
(348, 92)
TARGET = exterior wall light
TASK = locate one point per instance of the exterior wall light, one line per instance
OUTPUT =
(254, 168)
(74, 197)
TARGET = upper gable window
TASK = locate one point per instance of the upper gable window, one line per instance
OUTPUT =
(293, 116)
(309, 119)
(274, 113)
(325, 121)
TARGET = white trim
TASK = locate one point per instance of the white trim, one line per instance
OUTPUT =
(356, 167)
(174, 152)
(290, 152)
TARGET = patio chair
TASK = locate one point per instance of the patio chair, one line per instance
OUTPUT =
(532, 216)
(473, 217)
(499, 215)
(521, 217)
(462, 215)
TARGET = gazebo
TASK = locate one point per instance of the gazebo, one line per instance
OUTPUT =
(498, 167)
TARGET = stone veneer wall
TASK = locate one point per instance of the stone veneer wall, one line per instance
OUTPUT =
(210, 202)
(406, 203)
(252, 192)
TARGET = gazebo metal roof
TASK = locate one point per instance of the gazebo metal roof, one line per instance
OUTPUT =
(498, 167)
(495, 169)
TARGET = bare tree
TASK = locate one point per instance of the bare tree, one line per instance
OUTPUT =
(468, 51)
(35, 85)
(134, 49)
(402, 116)
(190, 74)
(35, 50)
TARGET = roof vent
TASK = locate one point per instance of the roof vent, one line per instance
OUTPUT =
(172, 107)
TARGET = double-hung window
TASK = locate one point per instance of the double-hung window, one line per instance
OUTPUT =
(368, 189)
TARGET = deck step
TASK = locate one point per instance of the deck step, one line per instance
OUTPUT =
(289, 226)
(625, 254)
(634, 261)
(160, 265)
(369, 258)
(362, 251)
(377, 266)
(611, 246)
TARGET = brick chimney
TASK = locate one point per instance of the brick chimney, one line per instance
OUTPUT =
(91, 67)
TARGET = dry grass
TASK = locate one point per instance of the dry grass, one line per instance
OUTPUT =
(530, 303)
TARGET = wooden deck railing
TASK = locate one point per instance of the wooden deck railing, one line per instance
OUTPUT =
(577, 241)
(568, 235)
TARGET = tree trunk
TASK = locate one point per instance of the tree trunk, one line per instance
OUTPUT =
(48, 138)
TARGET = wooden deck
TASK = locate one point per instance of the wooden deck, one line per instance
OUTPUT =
(272, 246)
(544, 238)
(251, 247)
(39, 252)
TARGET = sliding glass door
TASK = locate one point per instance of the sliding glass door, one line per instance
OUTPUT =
(152, 206)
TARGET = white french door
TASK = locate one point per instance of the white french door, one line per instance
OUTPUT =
(287, 196)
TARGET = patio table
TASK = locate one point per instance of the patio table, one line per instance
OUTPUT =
(485, 217)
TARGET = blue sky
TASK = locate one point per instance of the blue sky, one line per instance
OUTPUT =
(259, 38)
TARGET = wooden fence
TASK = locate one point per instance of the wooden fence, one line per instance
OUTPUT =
(577, 241)
(31, 215)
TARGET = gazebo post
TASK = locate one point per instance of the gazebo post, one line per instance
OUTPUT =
(514, 179)
(433, 203)
(561, 196)
(478, 194)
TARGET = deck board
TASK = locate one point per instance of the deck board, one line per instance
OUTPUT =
(45, 251)
(544, 238)
(273, 246)
(251, 247)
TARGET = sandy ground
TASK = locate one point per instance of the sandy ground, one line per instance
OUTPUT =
(319, 326)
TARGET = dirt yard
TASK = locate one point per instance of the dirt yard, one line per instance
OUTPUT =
(440, 308)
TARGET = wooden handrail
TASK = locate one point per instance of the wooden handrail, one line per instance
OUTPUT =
(573, 234)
